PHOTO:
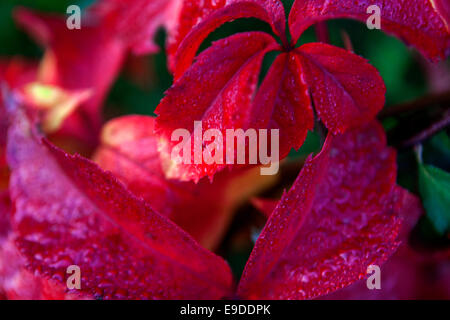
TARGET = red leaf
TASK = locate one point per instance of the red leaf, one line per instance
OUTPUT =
(5, 208)
(443, 8)
(415, 21)
(89, 58)
(4, 172)
(338, 218)
(347, 91)
(266, 206)
(191, 14)
(14, 73)
(270, 11)
(409, 274)
(15, 281)
(136, 22)
(18, 283)
(220, 97)
(70, 212)
(283, 103)
(204, 210)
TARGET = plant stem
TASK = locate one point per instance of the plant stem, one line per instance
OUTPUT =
(422, 103)
(429, 132)
(322, 32)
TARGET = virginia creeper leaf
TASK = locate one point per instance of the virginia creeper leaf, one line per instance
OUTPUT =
(406, 275)
(14, 74)
(347, 91)
(270, 11)
(266, 206)
(415, 21)
(16, 282)
(136, 22)
(191, 14)
(339, 217)
(5, 207)
(443, 8)
(70, 212)
(75, 60)
(220, 97)
(129, 150)
(283, 103)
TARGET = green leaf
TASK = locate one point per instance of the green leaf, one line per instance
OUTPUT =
(434, 185)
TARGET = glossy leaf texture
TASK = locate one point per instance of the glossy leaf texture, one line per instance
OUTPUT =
(417, 22)
(283, 103)
(347, 91)
(443, 8)
(129, 150)
(270, 11)
(217, 90)
(411, 273)
(16, 282)
(191, 14)
(70, 212)
(340, 216)
(406, 275)
(75, 60)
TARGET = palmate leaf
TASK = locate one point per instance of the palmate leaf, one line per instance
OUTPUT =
(340, 216)
(218, 96)
(417, 22)
(70, 212)
(345, 90)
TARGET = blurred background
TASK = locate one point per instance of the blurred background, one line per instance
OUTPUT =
(418, 95)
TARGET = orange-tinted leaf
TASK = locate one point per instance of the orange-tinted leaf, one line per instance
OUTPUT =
(266, 206)
(85, 59)
(204, 210)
